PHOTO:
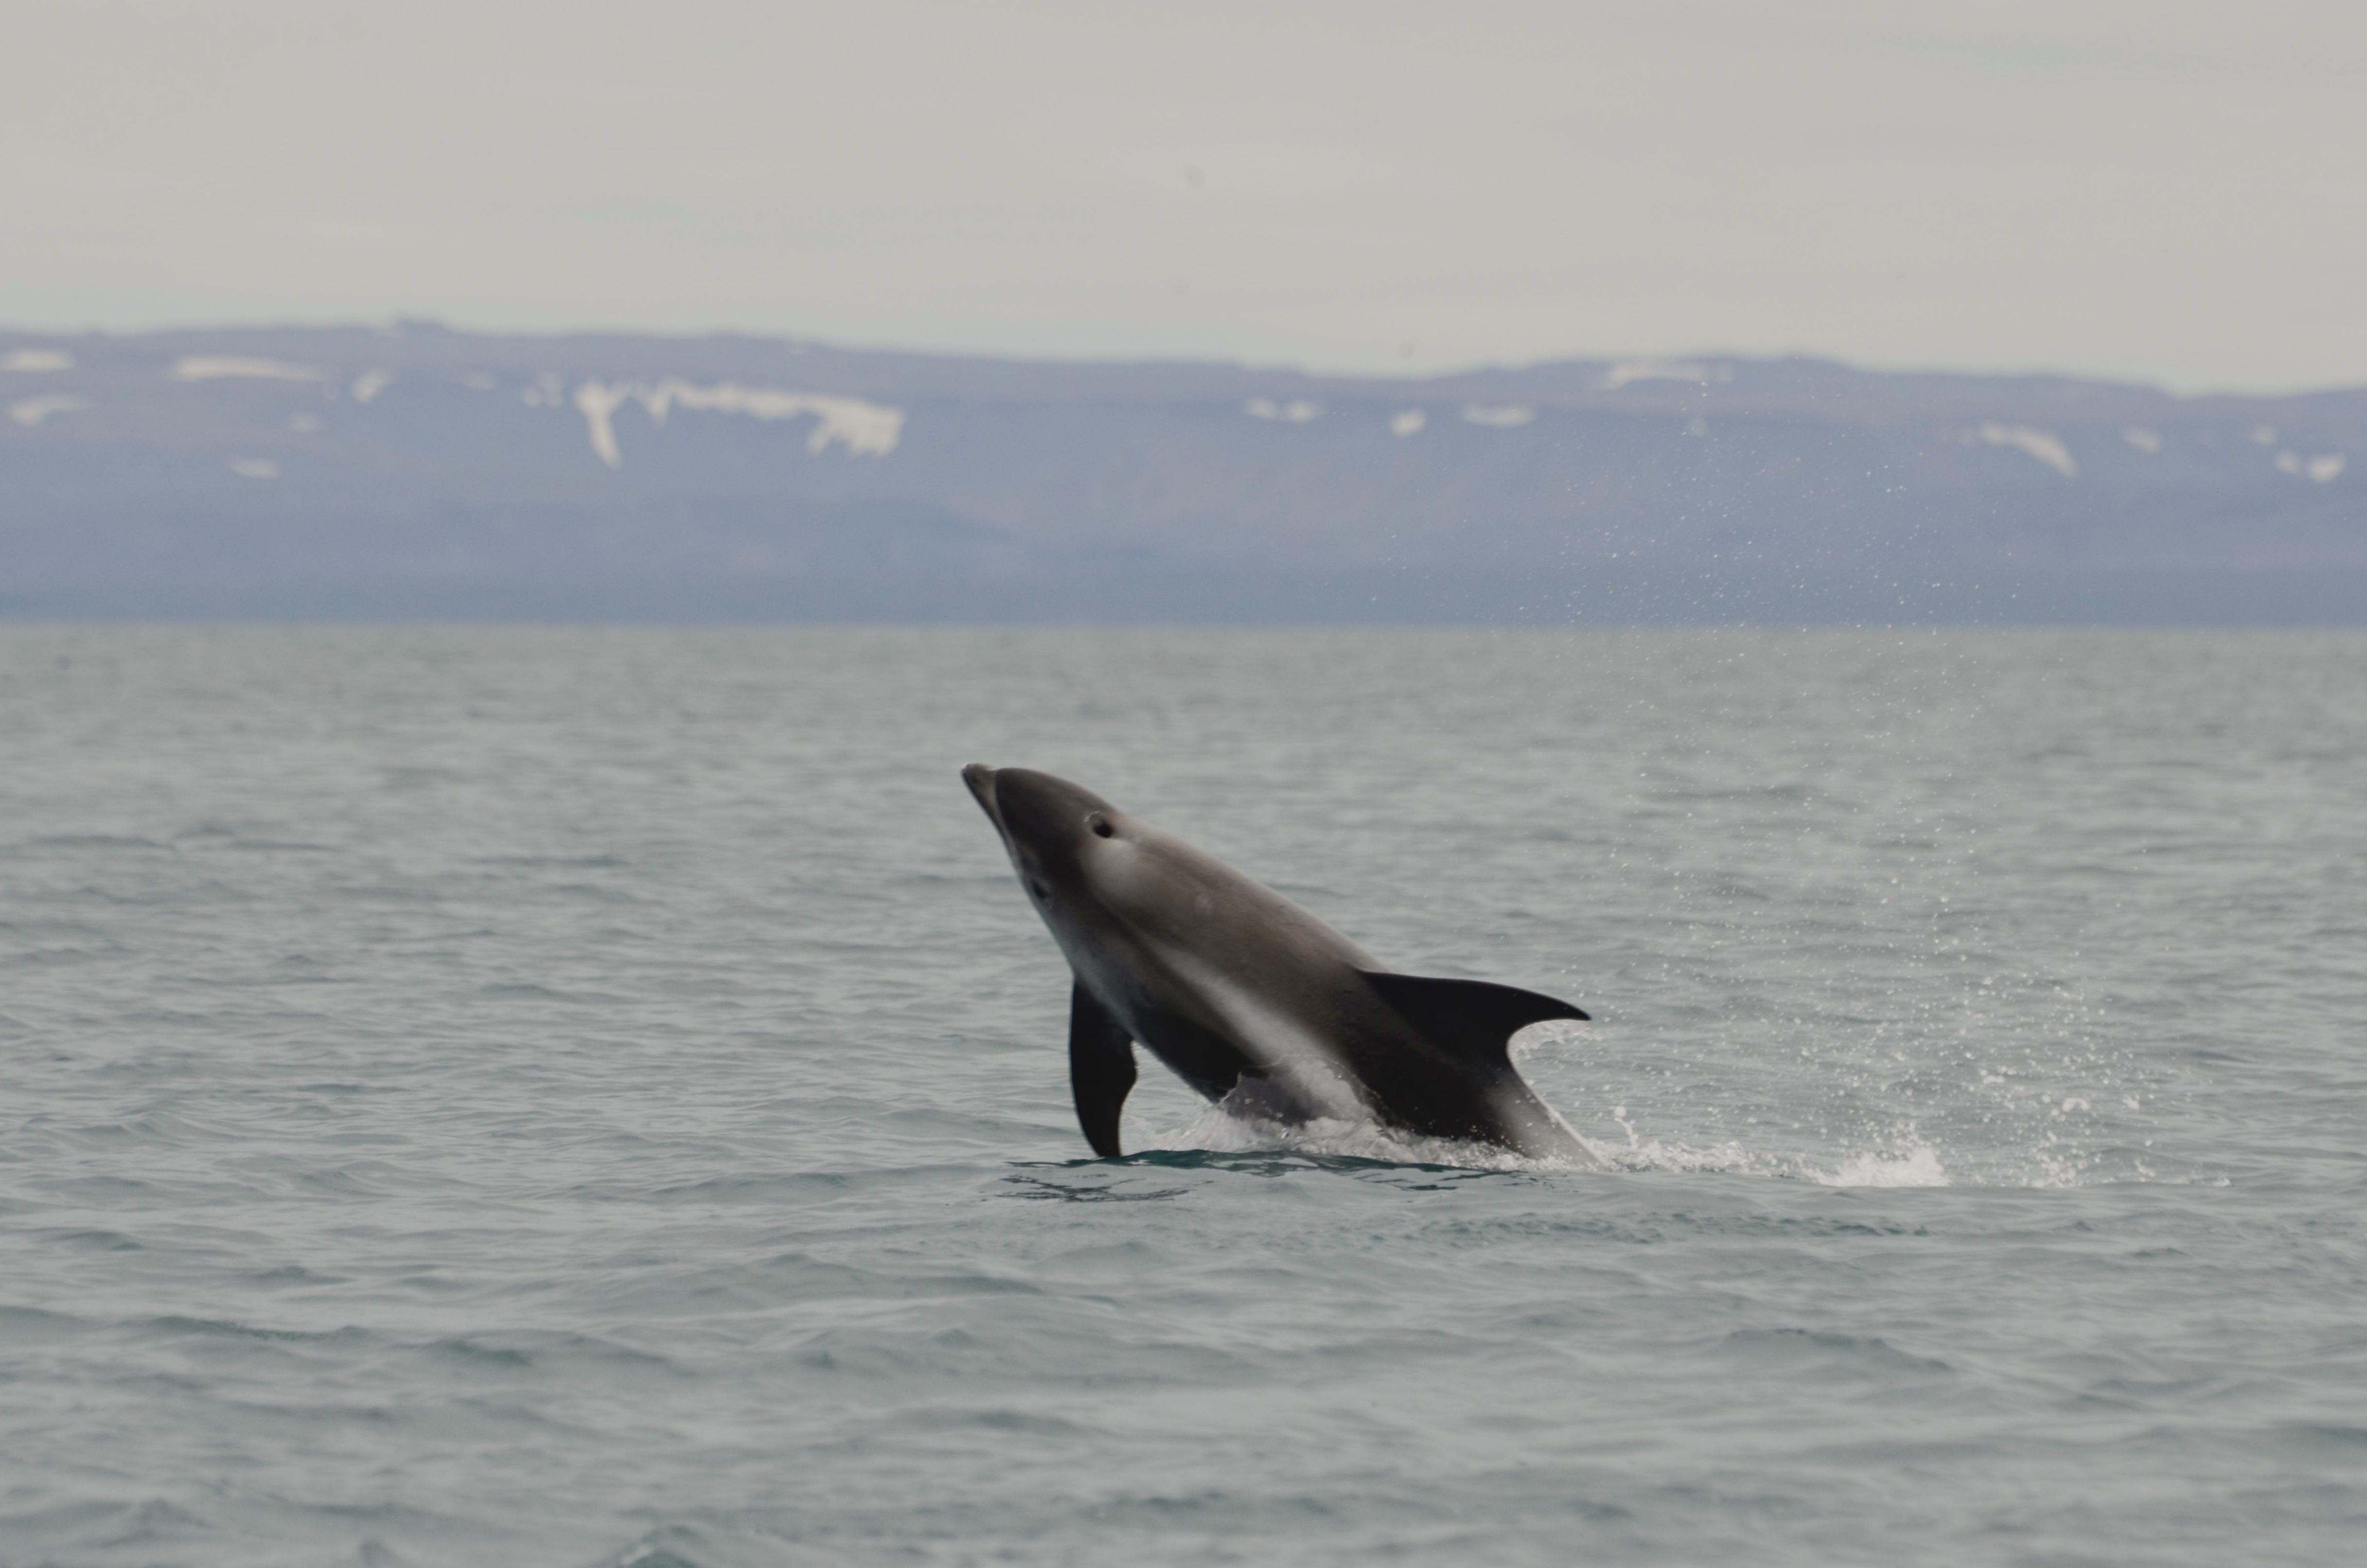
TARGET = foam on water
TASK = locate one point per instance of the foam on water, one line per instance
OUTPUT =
(1222, 1130)
(1919, 1167)
(1219, 1129)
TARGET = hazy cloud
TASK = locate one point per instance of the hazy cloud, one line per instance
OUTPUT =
(2157, 190)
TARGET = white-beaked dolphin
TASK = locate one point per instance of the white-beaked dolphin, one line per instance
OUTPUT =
(1247, 998)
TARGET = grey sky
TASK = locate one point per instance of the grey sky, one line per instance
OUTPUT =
(2165, 191)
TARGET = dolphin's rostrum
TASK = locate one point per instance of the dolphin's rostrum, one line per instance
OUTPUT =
(1246, 996)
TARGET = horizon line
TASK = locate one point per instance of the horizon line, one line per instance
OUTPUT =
(395, 326)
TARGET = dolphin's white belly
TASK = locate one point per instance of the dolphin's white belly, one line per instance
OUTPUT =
(1302, 1074)
(1293, 1068)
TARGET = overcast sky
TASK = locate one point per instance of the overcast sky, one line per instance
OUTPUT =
(2168, 192)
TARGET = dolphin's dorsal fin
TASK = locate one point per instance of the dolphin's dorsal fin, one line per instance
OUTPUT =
(1101, 1068)
(1470, 1020)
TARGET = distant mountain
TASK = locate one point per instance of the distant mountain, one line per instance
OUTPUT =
(418, 471)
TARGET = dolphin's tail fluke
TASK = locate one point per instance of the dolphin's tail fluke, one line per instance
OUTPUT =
(1469, 1020)
(1471, 1024)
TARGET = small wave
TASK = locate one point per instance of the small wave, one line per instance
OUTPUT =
(1864, 1353)
(98, 841)
(174, 1326)
(1068, 1192)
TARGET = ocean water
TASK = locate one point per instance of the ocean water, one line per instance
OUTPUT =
(596, 1098)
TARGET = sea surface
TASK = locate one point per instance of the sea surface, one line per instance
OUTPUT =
(596, 1098)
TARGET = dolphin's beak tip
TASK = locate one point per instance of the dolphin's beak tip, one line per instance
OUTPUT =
(981, 780)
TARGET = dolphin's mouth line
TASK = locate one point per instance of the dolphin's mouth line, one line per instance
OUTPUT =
(981, 780)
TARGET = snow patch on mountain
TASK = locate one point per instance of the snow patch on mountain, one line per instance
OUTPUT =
(227, 366)
(30, 411)
(34, 361)
(1505, 416)
(2046, 447)
(865, 429)
(2325, 469)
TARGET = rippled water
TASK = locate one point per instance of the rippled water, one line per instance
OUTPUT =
(597, 1097)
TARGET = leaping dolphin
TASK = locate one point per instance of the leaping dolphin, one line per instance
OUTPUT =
(1246, 996)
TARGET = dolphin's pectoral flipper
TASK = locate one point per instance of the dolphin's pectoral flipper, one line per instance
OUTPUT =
(1101, 1068)
(1470, 1020)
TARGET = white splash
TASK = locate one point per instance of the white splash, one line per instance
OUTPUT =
(226, 366)
(369, 383)
(1408, 422)
(1627, 370)
(1504, 416)
(2040, 444)
(30, 412)
(2264, 434)
(1297, 411)
(2288, 462)
(254, 467)
(1918, 1168)
(2140, 438)
(865, 429)
(304, 424)
(34, 361)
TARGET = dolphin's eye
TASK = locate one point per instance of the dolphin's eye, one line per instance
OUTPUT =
(1100, 824)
